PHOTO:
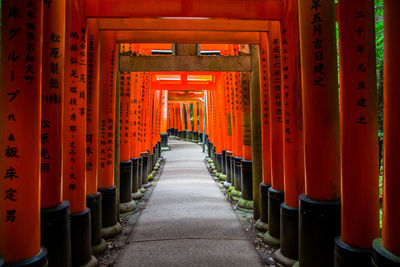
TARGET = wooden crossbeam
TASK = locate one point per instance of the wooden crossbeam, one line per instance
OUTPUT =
(183, 24)
(198, 37)
(233, 9)
(185, 63)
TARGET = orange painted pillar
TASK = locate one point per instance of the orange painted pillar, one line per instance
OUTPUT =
(164, 118)
(359, 130)
(93, 198)
(218, 103)
(74, 132)
(20, 131)
(55, 234)
(265, 131)
(135, 144)
(293, 145)
(320, 206)
(275, 192)
(246, 165)
(126, 165)
(391, 184)
(195, 122)
(107, 130)
(201, 121)
(238, 136)
(182, 115)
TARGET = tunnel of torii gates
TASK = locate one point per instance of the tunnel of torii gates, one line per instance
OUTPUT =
(91, 89)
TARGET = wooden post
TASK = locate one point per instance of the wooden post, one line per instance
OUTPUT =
(164, 118)
(93, 198)
(256, 143)
(359, 133)
(387, 250)
(74, 133)
(320, 206)
(107, 100)
(55, 228)
(275, 192)
(262, 223)
(20, 132)
(293, 145)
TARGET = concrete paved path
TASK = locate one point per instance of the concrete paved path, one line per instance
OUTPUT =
(187, 221)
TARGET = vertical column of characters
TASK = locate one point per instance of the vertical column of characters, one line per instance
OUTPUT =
(246, 121)
(320, 205)
(92, 105)
(21, 46)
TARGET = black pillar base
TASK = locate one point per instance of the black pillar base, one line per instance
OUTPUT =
(145, 168)
(247, 180)
(319, 225)
(218, 164)
(195, 136)
(39, 260)
(183, 134)
(223, 161)
(125, 192)
(110, 223)
(238, 174)
(275, 199)
(134, 175)
(382, 257)
(176, 132)
(228, 169)
(81, 238)
(164, 140)
(201, 138)
(209, 149)
(140, 172)
(232, 171)
(289, 232)
(347, 256)
(189, 135)
(264, 202)
(56, 234)
(93, 202)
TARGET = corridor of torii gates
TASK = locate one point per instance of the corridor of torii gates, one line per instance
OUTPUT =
(95, 94)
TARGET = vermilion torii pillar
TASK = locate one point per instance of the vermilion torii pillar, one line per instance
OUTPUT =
(320, 206)
(135, 136)
(246, 200)
(262, 223)
(275, 192)
(93, 198)
(238, 156)
(387, 249)
(55, 227)
(164, 118)
(126, 165)
(293, 148)
(359, 131)
(21, 46)
(256, 142)
(195, 123)
(74, 139)
(106, 185)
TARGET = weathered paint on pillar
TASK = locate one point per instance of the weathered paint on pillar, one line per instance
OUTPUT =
(320, 99)
(359, 123)
(21, 30)
(391, 185)
(92, 106)
(74, 132)
(265, 118)
(52, 104)
(256, 128)
(107, 109)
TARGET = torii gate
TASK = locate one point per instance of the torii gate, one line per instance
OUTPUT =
(319, 205)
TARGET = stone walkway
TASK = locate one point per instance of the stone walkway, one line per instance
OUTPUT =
(187, 221)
